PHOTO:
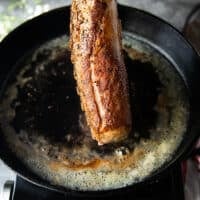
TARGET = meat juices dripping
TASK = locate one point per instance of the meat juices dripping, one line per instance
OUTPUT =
(99, 69)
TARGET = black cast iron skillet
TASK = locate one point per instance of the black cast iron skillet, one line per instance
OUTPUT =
(168, 41)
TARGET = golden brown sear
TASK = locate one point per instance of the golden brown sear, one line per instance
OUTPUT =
(99, 69)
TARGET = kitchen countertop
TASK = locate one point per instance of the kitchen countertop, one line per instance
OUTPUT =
(14, 12)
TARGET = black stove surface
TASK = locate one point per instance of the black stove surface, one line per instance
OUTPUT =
(167, 187)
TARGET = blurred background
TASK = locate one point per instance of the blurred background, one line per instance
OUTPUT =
(14, 12)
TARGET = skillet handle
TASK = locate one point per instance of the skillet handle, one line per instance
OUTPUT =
(191, 28)
(191, 31)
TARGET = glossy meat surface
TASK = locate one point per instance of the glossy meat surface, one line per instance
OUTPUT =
(99, 68)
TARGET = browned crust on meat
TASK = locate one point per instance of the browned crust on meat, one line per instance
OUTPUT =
(99, 68)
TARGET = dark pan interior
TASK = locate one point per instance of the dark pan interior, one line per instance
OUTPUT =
(164, 37)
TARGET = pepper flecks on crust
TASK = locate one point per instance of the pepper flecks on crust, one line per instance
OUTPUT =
(99, 69)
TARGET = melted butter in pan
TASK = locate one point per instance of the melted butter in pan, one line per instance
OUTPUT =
(43, 122)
